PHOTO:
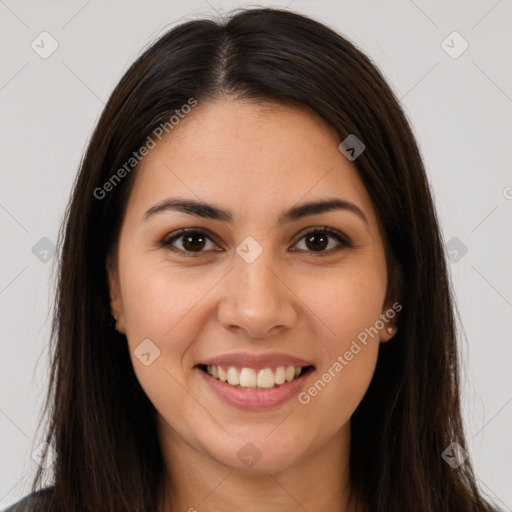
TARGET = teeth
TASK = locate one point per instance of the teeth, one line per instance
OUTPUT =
(280, 375)
(233, 376)
(222, 374)
(266, 378)
(250, 378)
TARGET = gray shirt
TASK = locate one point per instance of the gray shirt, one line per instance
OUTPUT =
(28, 503)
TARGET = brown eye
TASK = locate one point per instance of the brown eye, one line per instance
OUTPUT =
(188, 241)
(193, 241)
(317, 241)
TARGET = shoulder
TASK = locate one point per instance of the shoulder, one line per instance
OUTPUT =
(28, 503)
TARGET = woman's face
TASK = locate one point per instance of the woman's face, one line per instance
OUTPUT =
(255, 288)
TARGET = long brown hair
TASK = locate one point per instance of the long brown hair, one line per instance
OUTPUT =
(101, 423)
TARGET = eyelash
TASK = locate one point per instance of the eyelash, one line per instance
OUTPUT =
(344, 242)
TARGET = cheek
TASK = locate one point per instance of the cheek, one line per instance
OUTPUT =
(159, 301)
(161, 305)
(349, 303)
(350, 347)
(166, 306)
(349, 306)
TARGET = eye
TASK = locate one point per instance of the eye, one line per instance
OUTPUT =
(317, 240)
(194, 240)
(191, 240)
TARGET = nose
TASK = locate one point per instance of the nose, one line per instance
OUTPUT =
(257, 300)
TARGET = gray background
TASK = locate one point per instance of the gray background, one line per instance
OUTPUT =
(460, 111)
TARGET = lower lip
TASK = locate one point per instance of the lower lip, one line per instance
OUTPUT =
(255, 399)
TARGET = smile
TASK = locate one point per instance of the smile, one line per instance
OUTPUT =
(266, 378)
(255, 389)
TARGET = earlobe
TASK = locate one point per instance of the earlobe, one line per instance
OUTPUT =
(389, 332)
(389, 318)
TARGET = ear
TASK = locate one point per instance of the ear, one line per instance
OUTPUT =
(393, 300)
(116, 302)
(389, 317)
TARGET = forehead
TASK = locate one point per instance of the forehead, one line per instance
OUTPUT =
(258, 157)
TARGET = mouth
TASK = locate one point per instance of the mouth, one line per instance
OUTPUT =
(255, 389)
(248, 378)
(255, 382)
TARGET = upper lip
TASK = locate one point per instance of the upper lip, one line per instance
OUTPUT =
(258, 362)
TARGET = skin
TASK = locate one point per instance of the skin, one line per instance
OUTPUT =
(255, 160)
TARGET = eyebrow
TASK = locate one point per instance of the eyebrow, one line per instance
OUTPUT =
(208, 211)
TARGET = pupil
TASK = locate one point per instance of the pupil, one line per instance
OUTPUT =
(318, 235)
(190, 245)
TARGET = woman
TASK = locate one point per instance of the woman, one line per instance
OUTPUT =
(253, 213)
